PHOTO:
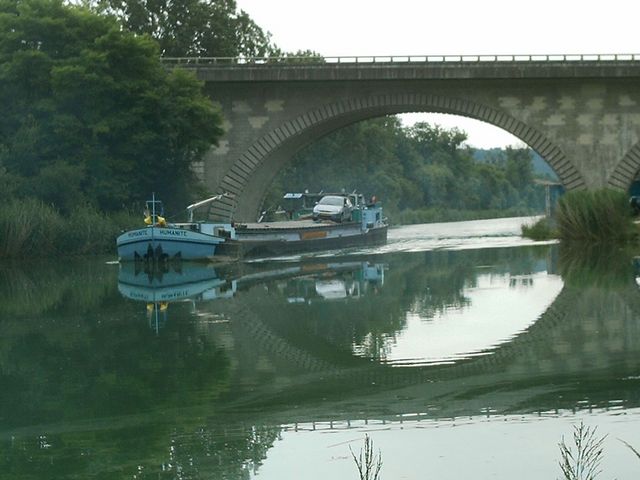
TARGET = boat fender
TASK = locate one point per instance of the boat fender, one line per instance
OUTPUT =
(162, 222)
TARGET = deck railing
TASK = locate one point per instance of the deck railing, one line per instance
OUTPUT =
(396, 59)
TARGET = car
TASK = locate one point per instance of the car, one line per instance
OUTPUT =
(333, 207)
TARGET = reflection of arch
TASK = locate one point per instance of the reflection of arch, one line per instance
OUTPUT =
(252, 173)
(357, 371)
(526, 374)
(626, 170)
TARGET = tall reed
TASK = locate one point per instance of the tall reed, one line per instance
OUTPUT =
(595, 216)
(368, 462)
(582, 460)
(630, 447)
(30, 228)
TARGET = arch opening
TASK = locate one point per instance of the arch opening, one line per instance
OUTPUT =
(422, 172)
(252, 174)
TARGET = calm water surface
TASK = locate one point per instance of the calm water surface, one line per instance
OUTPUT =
(461, 349)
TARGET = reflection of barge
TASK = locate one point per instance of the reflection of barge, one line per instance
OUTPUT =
(180, 281)
(175, 283)
(193, 282)
(206, 240)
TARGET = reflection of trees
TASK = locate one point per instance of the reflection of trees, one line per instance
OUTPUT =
(112, 395)
(88, 390)
(583, 349)
(33, 288)
(228, 452)
(587, 348)
(80, 362)
(424, 283)
(438, 283)
(180, 448)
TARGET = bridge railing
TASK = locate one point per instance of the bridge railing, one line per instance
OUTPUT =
(395, 59)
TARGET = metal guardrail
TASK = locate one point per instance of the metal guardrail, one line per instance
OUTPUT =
(395, 59)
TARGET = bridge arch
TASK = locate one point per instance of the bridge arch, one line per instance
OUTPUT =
(626, 170)
(253, 172)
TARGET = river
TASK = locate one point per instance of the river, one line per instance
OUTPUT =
(460, 349)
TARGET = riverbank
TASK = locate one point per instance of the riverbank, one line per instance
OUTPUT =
(439, 214)
(32, 229)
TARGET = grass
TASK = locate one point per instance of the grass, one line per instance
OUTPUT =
(595, 216)
(30, 228)
(541, 230)
(581, 460)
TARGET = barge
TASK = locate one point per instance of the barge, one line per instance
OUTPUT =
(203, 240)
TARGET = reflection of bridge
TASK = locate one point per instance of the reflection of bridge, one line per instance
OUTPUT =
(578, 351)
(580, 113)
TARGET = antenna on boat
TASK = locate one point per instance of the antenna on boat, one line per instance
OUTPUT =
(153, 208)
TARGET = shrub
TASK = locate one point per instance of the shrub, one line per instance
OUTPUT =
(28, 228)
(595, 216)
(31, 228)
(541, 230)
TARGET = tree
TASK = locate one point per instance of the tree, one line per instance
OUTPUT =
(89, 112)
(205, 28)
(519, 168)
(412, 169)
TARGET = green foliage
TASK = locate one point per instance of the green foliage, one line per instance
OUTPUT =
(300, 57)
(31, 228)
(31, 288)
(540, 230)
(422, 173)
(28, 228)
(193, 28)
(90, 114)
(595, 216)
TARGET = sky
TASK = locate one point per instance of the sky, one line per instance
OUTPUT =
(450, 27)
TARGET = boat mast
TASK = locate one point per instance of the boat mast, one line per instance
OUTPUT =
(153, 216)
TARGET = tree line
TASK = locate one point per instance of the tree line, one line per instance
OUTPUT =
(90, 114)
(421, 173)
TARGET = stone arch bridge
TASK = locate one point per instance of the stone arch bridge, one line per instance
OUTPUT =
(580, 113)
